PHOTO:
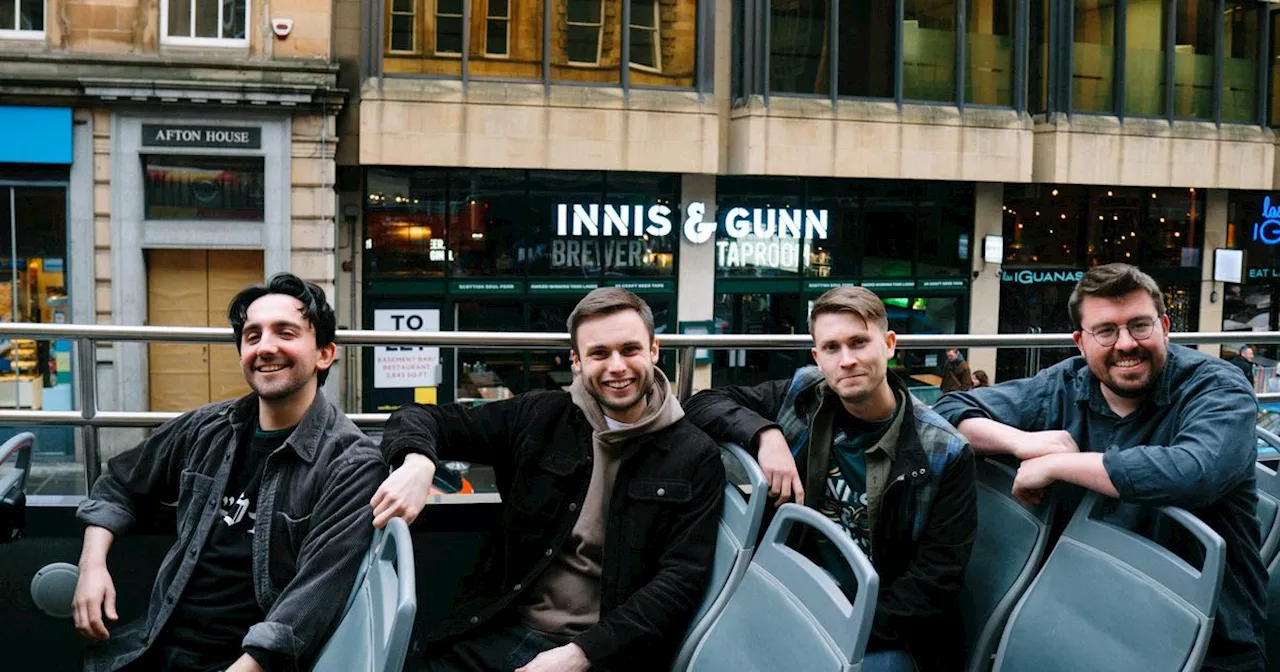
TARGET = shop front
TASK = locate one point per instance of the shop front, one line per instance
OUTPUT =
(35, 174)
(782, 242)
(1253, 225)
(504, 251)
(1053, 233)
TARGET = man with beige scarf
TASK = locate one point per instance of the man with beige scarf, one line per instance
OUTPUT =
(611, 504)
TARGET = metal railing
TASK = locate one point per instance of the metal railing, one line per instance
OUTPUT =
(89, 418)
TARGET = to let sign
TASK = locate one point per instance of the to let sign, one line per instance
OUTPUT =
(221, 137)
(406, 365)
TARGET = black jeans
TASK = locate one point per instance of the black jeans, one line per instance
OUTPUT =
(501, 649)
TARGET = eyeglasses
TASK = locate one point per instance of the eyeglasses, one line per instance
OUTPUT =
(1107, 334)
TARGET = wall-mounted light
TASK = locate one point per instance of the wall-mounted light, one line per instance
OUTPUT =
(993, 249)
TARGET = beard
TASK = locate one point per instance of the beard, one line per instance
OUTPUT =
(1130, 386)
(278, 386)
(638, 396)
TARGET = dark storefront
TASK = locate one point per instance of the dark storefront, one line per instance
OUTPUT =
(1253, 225)
(782, 242)
(1052, 233)
(506, 251)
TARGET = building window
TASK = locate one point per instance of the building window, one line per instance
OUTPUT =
(24, 17)
(497, 29)
(203, 187)
(1093, 56)
(449, 27)
(1193, 59)
(205, 21)
(646, 46)
(867, 50)
(929, 50)
(1240, 62)
(1144, 58)
(584, 25)
(403, 36)
(989, 52)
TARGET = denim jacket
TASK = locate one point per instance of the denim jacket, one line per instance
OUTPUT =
(314, 523)
(1190, 444)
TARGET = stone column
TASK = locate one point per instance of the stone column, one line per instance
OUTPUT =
(984, 301)
(696, 272)
(1215, 236)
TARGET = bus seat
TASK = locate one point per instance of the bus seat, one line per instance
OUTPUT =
(1110, 599)
(789, 614)
(1268, 511)
(13, 484)
(374, 633)
(736, 536)
(1008, 549)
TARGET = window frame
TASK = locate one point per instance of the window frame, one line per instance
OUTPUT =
(191, 40)
(598, 26)
(656, 29)
(16, 33)
(462, 20)
(489, 18)
(414, 19)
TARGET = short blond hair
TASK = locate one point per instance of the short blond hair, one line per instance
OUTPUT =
(858, 301)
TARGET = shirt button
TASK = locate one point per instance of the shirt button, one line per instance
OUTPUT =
(516, 588)
(573, 506)
(193, 551)
(662, 492)
(475, 619)
(548, 553)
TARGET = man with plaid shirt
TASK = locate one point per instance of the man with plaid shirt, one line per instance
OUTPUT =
(848, 439)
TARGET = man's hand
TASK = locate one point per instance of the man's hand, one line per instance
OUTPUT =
(774, 456)
(405, 491)
(567, 658)
(95, 594)
(1033, 477)
(1048, 442)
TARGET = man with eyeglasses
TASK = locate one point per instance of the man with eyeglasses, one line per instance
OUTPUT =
(1144, 421)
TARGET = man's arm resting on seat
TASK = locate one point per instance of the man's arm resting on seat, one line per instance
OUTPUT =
(95, 591)
(737, 413)
(418, 435)
(988, 437)
(311, 605)
(1083, 469)
(662, 609)
(1012, 418)
(936, 573)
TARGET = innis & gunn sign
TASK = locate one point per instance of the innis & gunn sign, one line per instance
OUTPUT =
(757, 236)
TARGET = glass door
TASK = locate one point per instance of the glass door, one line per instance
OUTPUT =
(758, 314)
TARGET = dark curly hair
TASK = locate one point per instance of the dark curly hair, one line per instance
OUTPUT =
(315, 307)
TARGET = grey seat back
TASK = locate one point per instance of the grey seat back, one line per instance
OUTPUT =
(746, 494)
(1007, 550)
(1268, 503)
(374, 633)
(788, 613)
(1110, 599)
(13, 484)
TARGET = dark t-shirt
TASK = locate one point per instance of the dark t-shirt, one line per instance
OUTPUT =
(218, 606)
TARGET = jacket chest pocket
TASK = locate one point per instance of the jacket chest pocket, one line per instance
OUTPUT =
(650, 505)
(193, 497)
(288, 532)
(541, 486)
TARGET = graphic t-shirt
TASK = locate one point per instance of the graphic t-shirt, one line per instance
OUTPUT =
(218, 606)
(845, 499)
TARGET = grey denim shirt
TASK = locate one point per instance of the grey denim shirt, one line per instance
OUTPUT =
(314, 523)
